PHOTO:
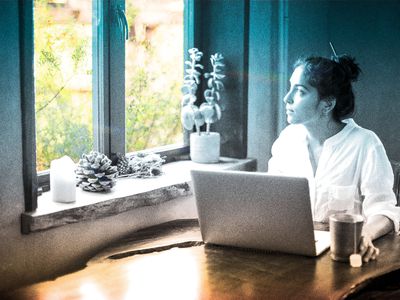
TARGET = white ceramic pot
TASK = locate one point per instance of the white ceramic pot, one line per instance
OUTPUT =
(204, 148)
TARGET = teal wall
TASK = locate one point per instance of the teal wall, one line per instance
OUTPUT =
(264, 78)
(370, 30)
(224, 28)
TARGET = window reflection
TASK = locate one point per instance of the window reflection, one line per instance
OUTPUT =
(173, 272)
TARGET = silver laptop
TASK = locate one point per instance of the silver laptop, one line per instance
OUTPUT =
(257, 210)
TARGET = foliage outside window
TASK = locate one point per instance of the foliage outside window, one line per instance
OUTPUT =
(63, 84)
(63, 76)
(153, 72)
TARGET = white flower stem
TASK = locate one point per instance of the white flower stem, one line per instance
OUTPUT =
(208, 128)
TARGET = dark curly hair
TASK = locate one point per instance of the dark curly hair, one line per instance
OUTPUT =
(332, 78)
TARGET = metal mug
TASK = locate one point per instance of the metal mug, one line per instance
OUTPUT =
(345, 230)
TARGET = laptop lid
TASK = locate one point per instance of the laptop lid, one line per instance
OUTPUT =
(255, 210)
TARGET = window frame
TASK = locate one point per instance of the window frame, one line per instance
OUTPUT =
(30, 178)
(108, 89)
(108, 78)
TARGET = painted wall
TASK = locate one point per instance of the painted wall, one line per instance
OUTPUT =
(370, 31)
(224, 29)
(264, 76)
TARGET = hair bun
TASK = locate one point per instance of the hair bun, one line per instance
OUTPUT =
(350, 66)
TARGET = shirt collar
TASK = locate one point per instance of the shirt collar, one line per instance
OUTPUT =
(341, 135)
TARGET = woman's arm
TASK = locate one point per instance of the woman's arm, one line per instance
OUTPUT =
(375, 227)
(379, 203)
(376, 185)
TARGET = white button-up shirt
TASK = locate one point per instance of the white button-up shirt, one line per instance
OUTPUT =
(353, 173)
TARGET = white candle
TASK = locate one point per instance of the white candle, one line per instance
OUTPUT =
(62, 180)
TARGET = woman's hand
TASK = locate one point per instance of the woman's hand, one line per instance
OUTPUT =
(376, 226)
(367, 249)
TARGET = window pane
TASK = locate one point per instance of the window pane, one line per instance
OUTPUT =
(153, 73)
(63, 79)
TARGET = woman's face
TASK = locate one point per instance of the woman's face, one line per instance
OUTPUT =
(302, 101)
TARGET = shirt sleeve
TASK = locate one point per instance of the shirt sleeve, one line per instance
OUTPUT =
(275, 162)
(279, 163)
(289, 153)
(377, 185)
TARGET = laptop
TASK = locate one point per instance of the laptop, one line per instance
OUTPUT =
(257, 211)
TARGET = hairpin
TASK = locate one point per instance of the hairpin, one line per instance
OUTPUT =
(334, 57)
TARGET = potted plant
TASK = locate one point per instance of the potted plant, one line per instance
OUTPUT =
(204, 146)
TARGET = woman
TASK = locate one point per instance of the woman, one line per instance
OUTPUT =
(346, 165)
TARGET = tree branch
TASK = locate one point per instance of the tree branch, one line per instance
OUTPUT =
(54, 97)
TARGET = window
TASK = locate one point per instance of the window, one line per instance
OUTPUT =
(63, 79)
(110, 85)
(152, 75)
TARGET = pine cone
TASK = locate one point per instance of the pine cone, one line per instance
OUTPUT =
(122, 164)
(95, 173)
(143, 165)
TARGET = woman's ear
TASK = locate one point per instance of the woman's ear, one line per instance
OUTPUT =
(327, 105)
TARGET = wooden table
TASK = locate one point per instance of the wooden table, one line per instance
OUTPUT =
(171, 262)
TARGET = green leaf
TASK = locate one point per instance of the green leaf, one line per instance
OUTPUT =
(186, 99)
(198, 118)
(187, 117)
(195, 72)
(210, 83)
(207, 93)
(207, 110)
(218, 111)
(216, 94)
(219, 85)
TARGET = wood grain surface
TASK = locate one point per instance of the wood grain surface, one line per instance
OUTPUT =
(171, 262)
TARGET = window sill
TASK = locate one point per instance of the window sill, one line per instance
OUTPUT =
(128, 194)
